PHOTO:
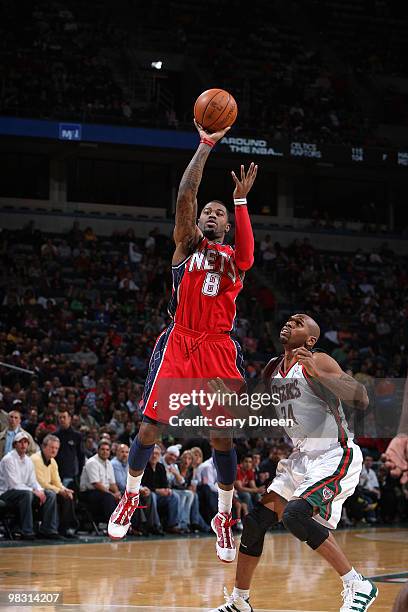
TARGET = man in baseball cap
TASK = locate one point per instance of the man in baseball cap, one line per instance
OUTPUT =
(19, 488)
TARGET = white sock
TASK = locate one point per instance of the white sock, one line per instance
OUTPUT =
(133, 483)
(240, 593)
(351, 575)
(225, 500)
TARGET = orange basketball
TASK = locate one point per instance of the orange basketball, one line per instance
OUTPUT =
(215, 110)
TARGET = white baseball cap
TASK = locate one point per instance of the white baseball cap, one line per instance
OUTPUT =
(22, 435)
(175, 449)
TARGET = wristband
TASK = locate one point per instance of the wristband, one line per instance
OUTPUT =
(240, 201)
(207, 141)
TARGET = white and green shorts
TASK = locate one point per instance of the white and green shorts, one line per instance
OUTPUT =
(325, 479)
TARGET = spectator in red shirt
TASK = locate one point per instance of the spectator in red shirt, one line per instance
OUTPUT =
(245, 485)
(46, 426)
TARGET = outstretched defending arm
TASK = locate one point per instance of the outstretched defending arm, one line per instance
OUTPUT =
(186, 233)
(244, 237)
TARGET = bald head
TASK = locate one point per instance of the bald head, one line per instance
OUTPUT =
(300, 330)
(312, 326)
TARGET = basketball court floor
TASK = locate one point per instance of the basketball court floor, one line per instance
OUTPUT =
(183, 574)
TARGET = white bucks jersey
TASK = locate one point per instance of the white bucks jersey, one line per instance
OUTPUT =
(314, 415)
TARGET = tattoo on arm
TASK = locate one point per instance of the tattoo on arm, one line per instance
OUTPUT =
(186, 208)
(347, 389)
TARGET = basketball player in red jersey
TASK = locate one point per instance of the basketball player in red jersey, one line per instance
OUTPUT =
(207, 278)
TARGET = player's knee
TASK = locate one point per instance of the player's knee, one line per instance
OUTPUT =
(256, 523)
(298, 519)
(317, 535)
(295, 516)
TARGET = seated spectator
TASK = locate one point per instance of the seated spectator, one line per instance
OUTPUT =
(76, 423)
(3, 415)
(197, 522)
(8, 435)
(261, 477)
(70, 456)
(146, 518)
(19, 487)
(389, 495)
(268, 465)
(46, 426)
(369, 487)
(46, 471)
(90, 447)
(30, 423)
(179, 485)
(120, 466)
(245, 485)
(155, 479)
(198, 459)
(207, 490)
(98, 488)
(86, 419)
(127, 436)
(117, 422)
(89, 235)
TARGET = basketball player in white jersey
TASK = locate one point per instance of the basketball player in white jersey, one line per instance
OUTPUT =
(323, 470)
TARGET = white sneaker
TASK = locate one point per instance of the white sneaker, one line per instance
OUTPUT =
(233, 604)
(358, 595)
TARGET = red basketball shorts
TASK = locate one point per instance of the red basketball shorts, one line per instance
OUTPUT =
(182, 363)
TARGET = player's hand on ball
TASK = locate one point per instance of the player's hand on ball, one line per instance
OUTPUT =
(215, 137)
(396, 458)
(244, 185)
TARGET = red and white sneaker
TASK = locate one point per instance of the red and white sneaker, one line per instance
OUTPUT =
(225, 546)
(119, 521)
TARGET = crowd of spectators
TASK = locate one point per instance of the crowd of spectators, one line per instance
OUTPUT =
(313, 99)
(67, 59)
(80, 313)
(370, 35)
(56, 61)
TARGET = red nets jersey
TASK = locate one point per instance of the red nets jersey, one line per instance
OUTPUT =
(205, 287)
